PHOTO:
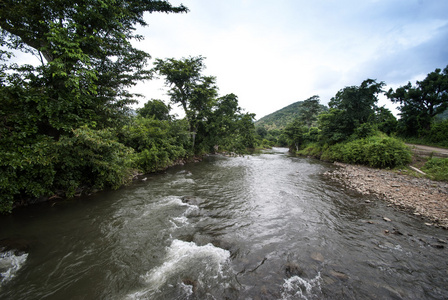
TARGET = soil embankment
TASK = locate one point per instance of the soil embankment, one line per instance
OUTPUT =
(420, 196)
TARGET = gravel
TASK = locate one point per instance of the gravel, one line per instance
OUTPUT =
(419, 196)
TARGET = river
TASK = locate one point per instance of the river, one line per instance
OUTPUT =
(266, 226)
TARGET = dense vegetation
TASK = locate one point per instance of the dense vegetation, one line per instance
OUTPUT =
(66, 126)
(355, 130)
(270, 128)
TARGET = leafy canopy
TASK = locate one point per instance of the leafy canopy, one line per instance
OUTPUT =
(422, 102)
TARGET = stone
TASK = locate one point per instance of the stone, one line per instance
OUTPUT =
(387, 219)
(292, 269)
(191, 200)
(193, 283)
(317, 256)
(339, 275)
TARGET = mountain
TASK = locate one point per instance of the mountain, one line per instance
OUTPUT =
(282, 117)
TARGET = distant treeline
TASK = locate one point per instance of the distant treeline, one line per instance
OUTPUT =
(354, 129)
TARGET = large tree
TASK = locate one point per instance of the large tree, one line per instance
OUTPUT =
(349, 108)
(213, 121)
(54, 117)
(422, 102)
(309, 110)
(190, 89)
(87, 59)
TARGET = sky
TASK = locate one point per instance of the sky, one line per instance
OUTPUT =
(274, 53)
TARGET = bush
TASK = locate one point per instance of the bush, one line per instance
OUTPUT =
(437, 168)
(439, 133)
(157, 143)
(375, 151)
(27, 172)
(43, 167)
(92, 158)
(312, 149)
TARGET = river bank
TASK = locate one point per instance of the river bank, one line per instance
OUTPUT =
(420, 196)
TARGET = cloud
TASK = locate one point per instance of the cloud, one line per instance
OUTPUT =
(272, 54)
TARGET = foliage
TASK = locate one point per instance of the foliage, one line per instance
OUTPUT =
(333, 126)
(420, 104)
(214, 122)
(276, 123)
(438, 134)
(27, 170)
(157, 143)
(309, 111)
(228, 127)
(442, 116)
(313, 149)
(374, 151)
(56, 118)
(155, 109)
(92, 158)
(189, 88)
(437, 168)
(295, 133)
(349, 108)
(87, 58)
(42, 167)
(281, 118)
(385, 121)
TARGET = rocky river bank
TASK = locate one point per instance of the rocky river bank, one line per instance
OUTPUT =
(420, 196)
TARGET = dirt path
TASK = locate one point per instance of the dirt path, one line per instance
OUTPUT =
(427, 150)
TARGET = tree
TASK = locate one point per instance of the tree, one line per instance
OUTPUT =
(155, 109)
(420, 104)
(261, 131)
(349, 108)
(357, 102)
(182, 76)
(87, 59)
(228, 127)
(58, 119)
(385, 120)
(309, 110)
(295, 133)
(189, 88)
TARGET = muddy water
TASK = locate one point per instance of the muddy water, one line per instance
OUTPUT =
(266, 226)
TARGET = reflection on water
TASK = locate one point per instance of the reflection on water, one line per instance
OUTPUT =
(266, 226)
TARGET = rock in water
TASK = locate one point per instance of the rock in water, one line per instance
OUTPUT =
(293, 269)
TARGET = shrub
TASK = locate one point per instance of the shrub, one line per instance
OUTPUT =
(438, 133)
(92, 158)
(157, 143)
(375, 151)
(27, 172)
(437, 168)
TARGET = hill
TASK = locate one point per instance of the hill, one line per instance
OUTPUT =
(284, 116)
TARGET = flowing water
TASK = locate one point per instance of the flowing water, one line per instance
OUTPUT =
(266, 226)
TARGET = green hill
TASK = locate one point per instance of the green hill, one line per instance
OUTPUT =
(284, 116)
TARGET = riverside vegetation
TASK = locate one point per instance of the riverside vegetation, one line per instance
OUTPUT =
(66, 126)
(355, 130)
